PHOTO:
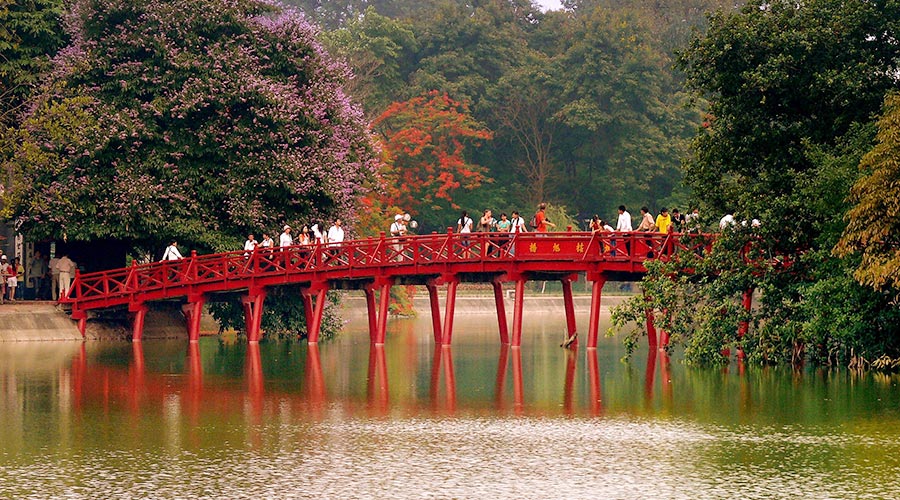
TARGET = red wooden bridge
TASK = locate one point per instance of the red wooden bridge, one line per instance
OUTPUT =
(375, 264)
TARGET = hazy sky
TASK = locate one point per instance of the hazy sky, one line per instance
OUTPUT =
(549, 4)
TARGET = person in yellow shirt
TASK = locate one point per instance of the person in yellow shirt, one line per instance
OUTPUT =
(663, 221)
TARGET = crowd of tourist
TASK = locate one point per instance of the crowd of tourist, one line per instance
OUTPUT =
(47, 277)
(664, 222)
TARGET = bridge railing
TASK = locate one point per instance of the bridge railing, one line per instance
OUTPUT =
(362, 254)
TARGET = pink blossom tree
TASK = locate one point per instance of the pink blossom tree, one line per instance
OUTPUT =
(199, 120)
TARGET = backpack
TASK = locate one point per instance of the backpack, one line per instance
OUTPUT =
(533, 223)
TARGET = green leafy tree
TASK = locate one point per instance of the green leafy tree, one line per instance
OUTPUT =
(873, 228)
(792, 89)
(30, 34)
(378, 50)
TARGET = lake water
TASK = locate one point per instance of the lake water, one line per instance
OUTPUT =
(280, 420)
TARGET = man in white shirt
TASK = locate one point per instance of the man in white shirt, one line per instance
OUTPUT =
(249, 245)
(172, 252)
(517, 223)
(624, 222)
(335, 233)
(398, 229)
(66, 270)
(623, 225)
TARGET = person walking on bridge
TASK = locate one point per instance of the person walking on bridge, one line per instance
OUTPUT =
(398, 231)
(66, 271)
(623, 225)
(541, 222)
(172, 252)
(335, 233)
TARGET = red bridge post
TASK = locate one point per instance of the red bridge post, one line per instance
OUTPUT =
(138, 312)
(435, 310)
(452, 283)
(314, 311)
(747, 302)
(384, 301)
(192, 312)
(253, 310)
(518, 307)
(597, 279)
(501, 311)
(371, 311)
(571, 327)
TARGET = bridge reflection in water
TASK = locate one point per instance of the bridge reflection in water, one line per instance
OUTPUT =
(137, 388)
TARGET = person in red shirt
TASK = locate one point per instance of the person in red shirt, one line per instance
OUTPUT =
(542, 222)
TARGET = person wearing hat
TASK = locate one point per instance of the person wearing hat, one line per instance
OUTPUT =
(398, 230)
(285, 239)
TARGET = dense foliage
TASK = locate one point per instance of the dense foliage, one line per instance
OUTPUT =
(584, 105)
(195, 120)
(794, 90)
(199, 121)
(873, 227)
(30, 34)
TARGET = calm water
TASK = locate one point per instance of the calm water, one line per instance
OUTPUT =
(407, 421)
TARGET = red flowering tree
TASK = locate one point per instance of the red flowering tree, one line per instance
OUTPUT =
(426, 139)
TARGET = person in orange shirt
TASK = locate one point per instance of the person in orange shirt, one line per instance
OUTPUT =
(541, 220)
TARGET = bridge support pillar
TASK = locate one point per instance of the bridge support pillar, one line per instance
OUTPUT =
(138, 313)
(81, 317)
(372, 312)
(435, 311)
(597, 280)
(192, 312)
(452, 283)
(501, 311)
(384, 302)
(571, 328)
(314, 311)
(253, 310)
(518, 306)
(747, 302)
